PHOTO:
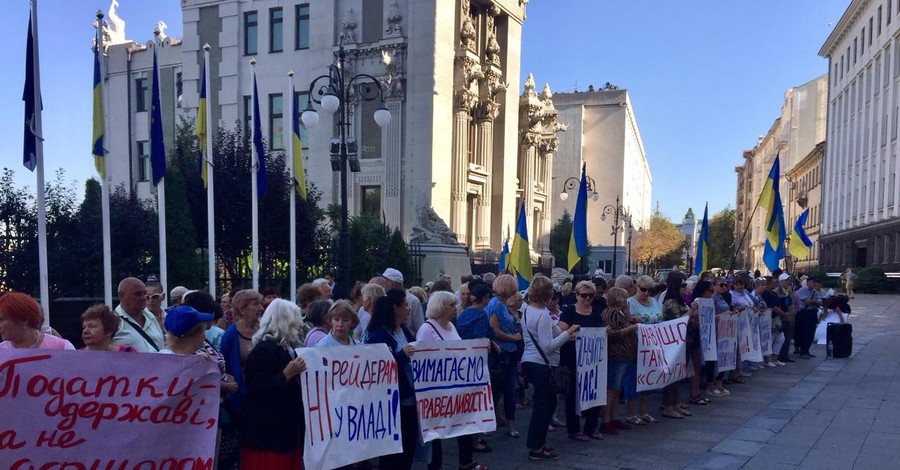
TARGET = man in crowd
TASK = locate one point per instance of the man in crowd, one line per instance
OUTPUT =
(808, 302)
(416, 314)
(788, 304)
(138, 328)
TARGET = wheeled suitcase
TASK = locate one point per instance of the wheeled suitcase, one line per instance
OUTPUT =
(839, 338)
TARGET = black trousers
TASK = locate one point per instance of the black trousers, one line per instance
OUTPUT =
(573, 421)
(806, 329)
(466, 449)
(409, 430)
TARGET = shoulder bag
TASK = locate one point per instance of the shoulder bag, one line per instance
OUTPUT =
(559, 376)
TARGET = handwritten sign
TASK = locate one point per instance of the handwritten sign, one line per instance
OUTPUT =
(661, 354)
(591, 362)
(748, 336)
(453, 388)
(765, 332)
(81, 409)
(707, 314)
(726, 342)
(351, 405)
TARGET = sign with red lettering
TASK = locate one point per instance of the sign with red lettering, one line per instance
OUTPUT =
(453, 388)
(351, 405)
(726, 347)
(661, 354)
(87, 409)
(748, 336)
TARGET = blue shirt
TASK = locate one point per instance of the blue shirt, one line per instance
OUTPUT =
(652, 313)
(497, 307)
(473, 323)
(805, 294)
(329, 340)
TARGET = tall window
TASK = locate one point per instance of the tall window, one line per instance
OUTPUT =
(300, 99)
(142, 93)
(276, 28)
(301, 27)
(143, 151)
(372, 20)
(251, 28)
(371, 200)
(248, 115)
(370, 141)
(179, 89)
(276, 122)
(879, 21)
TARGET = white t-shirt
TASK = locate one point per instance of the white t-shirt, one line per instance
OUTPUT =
(432, 330)
(549, 337)
(364, 318)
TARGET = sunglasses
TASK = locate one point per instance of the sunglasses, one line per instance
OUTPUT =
(586, 295)
(643, 289)
(155, 296)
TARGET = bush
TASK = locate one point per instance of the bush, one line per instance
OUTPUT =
(872, 280)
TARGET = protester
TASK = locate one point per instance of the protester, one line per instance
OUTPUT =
(341, 319)
(307, 294)
(317, 317)
(849, 278)
(416, 313)
(644, 308)
(370, 292)
(674, 308)
(715, 381)
(204, 302)
(176, 295)
(808, 302)
(237, 342)
(355, 297)
(771, 299)
(542, 339)
(272, 428)
(584, 315)
(227, 314)
(20, 324)
(156, 294)
(621, 356)
(788, 303)
(269, 294)
(185, 329)
(98, 325)
(504, 361)
(139, 329)
(464, 300)
(324, 287)
(388, 326)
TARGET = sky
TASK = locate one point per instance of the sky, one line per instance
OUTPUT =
(705, 77)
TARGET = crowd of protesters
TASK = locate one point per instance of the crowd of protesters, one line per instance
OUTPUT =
(253, 337)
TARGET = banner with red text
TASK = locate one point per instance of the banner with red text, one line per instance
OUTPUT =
(748, 336)
(351, 404)
(453, 388)
(93, 409)
(726, 347)
(707, 314)
(590, 356)
(662, 354)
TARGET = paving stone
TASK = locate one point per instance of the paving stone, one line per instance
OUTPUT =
(737, 447)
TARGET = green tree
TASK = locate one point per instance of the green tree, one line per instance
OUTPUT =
(656, 242)
(721, 239)
(560, 234)
(183, 264)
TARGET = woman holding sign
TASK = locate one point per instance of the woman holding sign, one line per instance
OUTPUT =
(388, 327)
(20, 325)
(674, 307)
(644, 308)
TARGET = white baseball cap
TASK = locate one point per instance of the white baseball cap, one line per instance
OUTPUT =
(393, 275)
(784, 277)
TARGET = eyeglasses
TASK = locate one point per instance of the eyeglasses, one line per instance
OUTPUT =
(155, 296)
(586, 295)
(643, 289)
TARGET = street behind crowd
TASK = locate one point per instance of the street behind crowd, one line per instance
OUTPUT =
(812, 414)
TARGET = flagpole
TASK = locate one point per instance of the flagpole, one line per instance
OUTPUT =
(104, 181)
(161, 206)
(292, 220)
(39, 159)
(210, 172)
(254, 200)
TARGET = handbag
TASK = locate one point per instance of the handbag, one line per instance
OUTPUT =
(559, 375)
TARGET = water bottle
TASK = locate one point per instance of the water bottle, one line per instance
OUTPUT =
(830, 348)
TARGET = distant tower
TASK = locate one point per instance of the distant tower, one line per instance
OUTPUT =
(689, 231)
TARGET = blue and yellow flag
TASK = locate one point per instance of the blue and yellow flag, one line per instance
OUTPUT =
(29, 147)
(99, 118)
(260, 163)
(200, 127)
(519, 256)
(578, 239)
(800, 244)
(504, 258)
(157, 144)
(297, 151)
(702, 258)
(770, 200)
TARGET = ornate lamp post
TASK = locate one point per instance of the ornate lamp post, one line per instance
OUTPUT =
(571, 184)
(617, 211)
(336, 92)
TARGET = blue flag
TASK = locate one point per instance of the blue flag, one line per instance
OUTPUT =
(260, 163)
(519, 256)
(800, 244)
(770, 200)
(157, 144)
(578, 239)
(702, 258)
(29, 148)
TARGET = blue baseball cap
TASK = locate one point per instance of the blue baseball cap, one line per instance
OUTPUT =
(179, 320)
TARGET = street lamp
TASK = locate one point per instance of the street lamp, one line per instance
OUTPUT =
(630, 233)
(616, 210)
(571, 184)
(336, 91)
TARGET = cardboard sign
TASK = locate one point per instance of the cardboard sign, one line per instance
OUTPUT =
(765, 332)
(351, 404)
(726, 342)
(591, 363)
(661, 354)
(453, 388)
(707, 313)
(93, 409)
(748, 336)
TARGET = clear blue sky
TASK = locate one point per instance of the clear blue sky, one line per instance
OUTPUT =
(706, 77)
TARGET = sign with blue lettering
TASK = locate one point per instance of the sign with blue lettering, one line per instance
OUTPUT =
(707, 314)
(591, 360)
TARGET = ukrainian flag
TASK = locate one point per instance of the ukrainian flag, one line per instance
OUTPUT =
(297, 152)
(578, 240)
(504, 257)
(800, 244)
(200, 127)
(260, 163)
(99, 118)
(519, 257)
(770, 199)
(770, 186)
(157, 144)
(702, 258)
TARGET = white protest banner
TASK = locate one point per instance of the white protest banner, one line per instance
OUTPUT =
(453, 388)
(591, 363)
(661, 355)
(726, 342)
(351, 405)
(92, 409)
(707, 315)
(765, 332)
(755, 347)
(748, 348)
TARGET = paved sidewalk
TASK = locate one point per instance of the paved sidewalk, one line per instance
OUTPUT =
(813, 414)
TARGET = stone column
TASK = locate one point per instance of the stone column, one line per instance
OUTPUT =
(460, 167)
(391, 144)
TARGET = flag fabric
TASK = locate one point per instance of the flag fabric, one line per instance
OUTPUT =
(29, 149)
(773, 251)
(260, 163)
(702, 258)
(578, 239)
(800, 244)
(97, 142)
(504, 257)
(297, 151)
(157, 144)
(519, 257)
(770, 185)
(200, 127)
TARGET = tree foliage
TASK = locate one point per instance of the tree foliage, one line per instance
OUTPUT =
(657, 241)
(374, 246)
(721, 239)
(560, 234)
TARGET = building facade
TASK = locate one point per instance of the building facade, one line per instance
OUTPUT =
(690, 230)
(450, 70)
(805, 193)
(602, 132)
(792, 137)
(861, 184)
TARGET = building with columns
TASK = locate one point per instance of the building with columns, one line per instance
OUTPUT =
(451, 75)
(602, 132)
(861, 181)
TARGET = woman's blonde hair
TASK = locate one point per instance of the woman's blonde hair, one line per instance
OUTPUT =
(586, 285)
(345, 310)
(437, 301)
(615, 297)
(504, 286)
(541, 290)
